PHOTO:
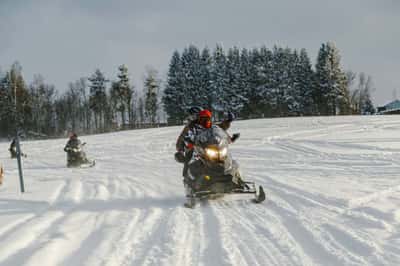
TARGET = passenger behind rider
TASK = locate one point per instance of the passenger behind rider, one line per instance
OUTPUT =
(192, 120)
(184, 144)
(73, 142)
(226, 124)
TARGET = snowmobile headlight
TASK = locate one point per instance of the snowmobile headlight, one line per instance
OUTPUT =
(212, 153)
(223, 152)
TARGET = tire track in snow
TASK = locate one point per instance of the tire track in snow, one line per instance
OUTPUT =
(214, 253)
(66, 237)
(132, 245)
(21, 223)
(186, 234)
(255, 244)
(22, 239)
(303, 226)
(114, 240)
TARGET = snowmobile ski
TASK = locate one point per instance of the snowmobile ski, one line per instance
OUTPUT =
(88, 165)
(190, 202)
(260, 197)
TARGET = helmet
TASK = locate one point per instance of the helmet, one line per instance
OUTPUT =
(229, 116)
(194, 112)
(205, 118)
(205, 113)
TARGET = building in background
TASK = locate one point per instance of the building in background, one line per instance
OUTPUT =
(390, 108)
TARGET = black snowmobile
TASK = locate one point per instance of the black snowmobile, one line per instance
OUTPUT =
(76, 157)
(212, 171)
(13, 150)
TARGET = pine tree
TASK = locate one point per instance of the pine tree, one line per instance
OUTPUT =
(235, 94)
(121, 96)
(245, 83)
(41, 101)
(304, 83)
(205, 89)
(7, 106)
(14, 99)
(98, 98)
(331, 93)
(219, 81)
(365, 85)
(140, 111)
(250, 62)
(191, 78)
(151, 87)
(174, 93)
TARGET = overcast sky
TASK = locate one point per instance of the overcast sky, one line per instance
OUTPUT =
(67, 39)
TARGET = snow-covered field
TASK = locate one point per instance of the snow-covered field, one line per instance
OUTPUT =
(332, 185)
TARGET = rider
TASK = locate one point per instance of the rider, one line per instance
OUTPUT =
(192, 120)
(226, 124)
(183, 153)
(13, 149)
(73, 143)
(203, 122)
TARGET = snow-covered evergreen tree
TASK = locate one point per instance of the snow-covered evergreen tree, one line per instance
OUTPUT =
(121, 95)
(98, 98)
(14, 101)
(245, 81)
(251, 62)
(205, 90)
(304, 83)
(361, 97)
(192, 78)
(41, 102)
(151, 87)
(219, 81)
(235, 93)
(282, 83)
(174, 93)
(331, 95)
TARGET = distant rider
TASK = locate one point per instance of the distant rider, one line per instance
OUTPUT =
(13, 149)
(73, 143)
(75, 156)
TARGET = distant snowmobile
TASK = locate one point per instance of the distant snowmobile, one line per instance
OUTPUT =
(13, 150)
(76, 157)
(212, 171)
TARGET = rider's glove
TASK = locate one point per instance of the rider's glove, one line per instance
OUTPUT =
(235, 137)
(179, 157)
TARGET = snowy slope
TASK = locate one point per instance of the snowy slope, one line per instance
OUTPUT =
(333, 188)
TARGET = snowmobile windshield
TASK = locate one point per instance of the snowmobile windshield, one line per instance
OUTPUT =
(214, 136)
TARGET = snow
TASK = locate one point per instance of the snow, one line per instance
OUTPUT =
(332, 185)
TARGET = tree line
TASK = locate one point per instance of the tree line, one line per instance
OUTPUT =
(89, 105)
(253, 83)
(263, 82)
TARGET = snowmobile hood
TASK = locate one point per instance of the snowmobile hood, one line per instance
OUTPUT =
(214, 136)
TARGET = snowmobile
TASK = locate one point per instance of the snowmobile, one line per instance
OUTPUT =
(13, 151)
(76, 157)
(212, 170)
(13, 154)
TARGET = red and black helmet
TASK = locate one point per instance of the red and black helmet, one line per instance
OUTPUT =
(205, 118)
